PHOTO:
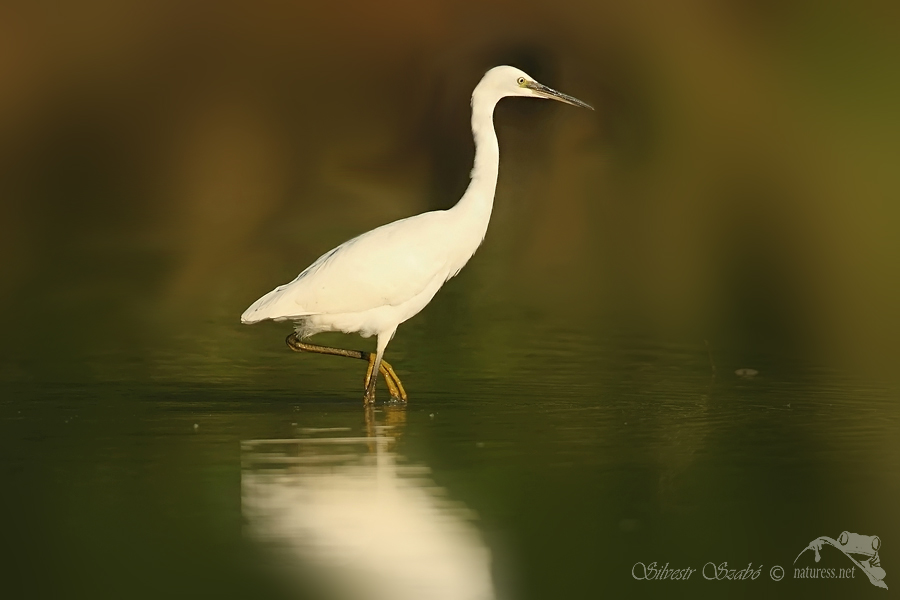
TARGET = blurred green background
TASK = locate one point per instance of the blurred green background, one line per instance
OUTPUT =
(732, 199)
(162, 162)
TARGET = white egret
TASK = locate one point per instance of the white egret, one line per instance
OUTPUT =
(374, 282)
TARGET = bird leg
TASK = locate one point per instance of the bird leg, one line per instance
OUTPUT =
(371, 380)
(390, 377)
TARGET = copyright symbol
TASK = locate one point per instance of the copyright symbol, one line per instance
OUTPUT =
(776, 573)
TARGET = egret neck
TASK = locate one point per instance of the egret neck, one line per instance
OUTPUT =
(474, 208)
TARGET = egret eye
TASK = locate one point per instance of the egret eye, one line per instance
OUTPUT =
(520, 81)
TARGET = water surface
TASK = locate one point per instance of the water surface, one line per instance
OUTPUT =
(545, 467)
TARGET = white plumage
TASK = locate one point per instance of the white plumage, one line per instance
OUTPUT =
(373, 282)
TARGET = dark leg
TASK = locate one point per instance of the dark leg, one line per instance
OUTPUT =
(390, 377)
(371, 380)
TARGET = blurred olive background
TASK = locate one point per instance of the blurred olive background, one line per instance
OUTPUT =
(162, 162)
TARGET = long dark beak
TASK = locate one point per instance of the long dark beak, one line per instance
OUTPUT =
(545, 92)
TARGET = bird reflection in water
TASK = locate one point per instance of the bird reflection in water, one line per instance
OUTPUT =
(353, 513)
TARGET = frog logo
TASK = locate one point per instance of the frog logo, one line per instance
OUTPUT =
(862, 550)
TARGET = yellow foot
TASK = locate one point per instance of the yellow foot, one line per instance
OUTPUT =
(393, 382)
(390, 378)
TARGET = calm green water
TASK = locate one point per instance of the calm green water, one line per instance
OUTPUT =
(543, 467)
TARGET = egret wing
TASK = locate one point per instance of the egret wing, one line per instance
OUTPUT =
(386, 266)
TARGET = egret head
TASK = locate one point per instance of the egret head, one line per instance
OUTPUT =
(504, 81)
